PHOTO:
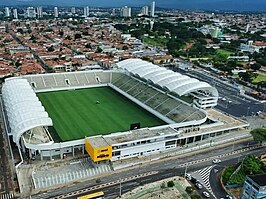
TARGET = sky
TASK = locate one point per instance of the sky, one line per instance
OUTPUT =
(240, 5)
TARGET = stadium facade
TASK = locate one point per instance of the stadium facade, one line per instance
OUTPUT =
(183, 103)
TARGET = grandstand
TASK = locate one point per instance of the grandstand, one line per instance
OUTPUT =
(67, 113)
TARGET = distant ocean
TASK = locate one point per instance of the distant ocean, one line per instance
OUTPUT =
(236, 5)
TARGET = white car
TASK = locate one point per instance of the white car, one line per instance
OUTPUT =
(215, 161)
(198, 185)
(206, 194)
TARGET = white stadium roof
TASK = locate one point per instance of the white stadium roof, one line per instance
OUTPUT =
(23, 108)
(173, 81)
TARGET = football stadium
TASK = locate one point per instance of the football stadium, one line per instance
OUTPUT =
(136, 109)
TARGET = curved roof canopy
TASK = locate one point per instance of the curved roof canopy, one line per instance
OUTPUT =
(173, 81)
(24, 110)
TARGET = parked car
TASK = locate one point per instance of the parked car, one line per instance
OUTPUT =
(188, 176)
(215, 161)
(228, 197)
(206, 194)
(198, 185)
(194, 180)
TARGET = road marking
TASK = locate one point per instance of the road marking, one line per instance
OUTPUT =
(219, 156)
(203, 175)
(7, 196)
(105, 185)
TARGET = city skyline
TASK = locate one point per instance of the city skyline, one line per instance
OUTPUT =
(238, 5)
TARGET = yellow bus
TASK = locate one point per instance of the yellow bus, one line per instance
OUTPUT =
(96, 195)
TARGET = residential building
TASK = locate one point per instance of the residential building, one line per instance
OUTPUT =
(254, 187)
(39, 12)
(145, 10)
(215, 32)
(86, 11)
(15, 14)
(30, 12)
(7, 12)
(73, 10)
(56, 12)
(126, 12)
(153, 9)
(252, 46)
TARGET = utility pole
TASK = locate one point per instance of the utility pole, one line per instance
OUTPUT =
(185, 171)
(120, 189)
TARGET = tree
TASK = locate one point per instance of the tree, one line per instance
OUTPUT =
(61, 33)
(255, 66)
(98, 50)
(259, 134)
(245, 76)
(195, 196)
(189, 189)
(170, 184)
(125, 48)
(163, 186)
(252, 165)
(88, 45)
(77, 36)
(50, 49)
(68, 37)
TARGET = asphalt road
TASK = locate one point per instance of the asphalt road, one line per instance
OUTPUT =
(230, 99)
(166, 168)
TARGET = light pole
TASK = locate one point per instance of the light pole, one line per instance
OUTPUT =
(185, 171)
(248, 111)
(239, 158)
(233, 148)
(120, 189)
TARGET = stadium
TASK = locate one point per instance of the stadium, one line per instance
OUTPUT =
(136, 109)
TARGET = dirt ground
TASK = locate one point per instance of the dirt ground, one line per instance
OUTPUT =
(236, 192)
(154, 190)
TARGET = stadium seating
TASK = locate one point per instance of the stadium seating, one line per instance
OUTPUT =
(138, 89)
(49, 81)
(155, 99)
(61, 80)
(83, 80)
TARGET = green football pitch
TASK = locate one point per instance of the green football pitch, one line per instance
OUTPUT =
(93, 111)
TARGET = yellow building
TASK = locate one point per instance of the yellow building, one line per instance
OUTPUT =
(98, 151)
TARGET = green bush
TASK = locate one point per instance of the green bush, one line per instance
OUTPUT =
(189, 189)
(170, 184)
(251, 165)
(227, 173)
(98, 180)
(195, 196)
(163, 185)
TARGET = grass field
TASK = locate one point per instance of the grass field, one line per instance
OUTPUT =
(76, 114)
(259, 78)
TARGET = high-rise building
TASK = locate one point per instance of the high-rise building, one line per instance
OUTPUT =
(153, 9)
(39, 12)
(73, 10)
(126, 12)
(247, 28)
(15, 13)
(7, 12)
(215, 32)
(113, 12)
(56, 12)
(86, 11)
(145, 10)
(30, 13)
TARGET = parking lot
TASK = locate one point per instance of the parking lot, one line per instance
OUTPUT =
(230, 99)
